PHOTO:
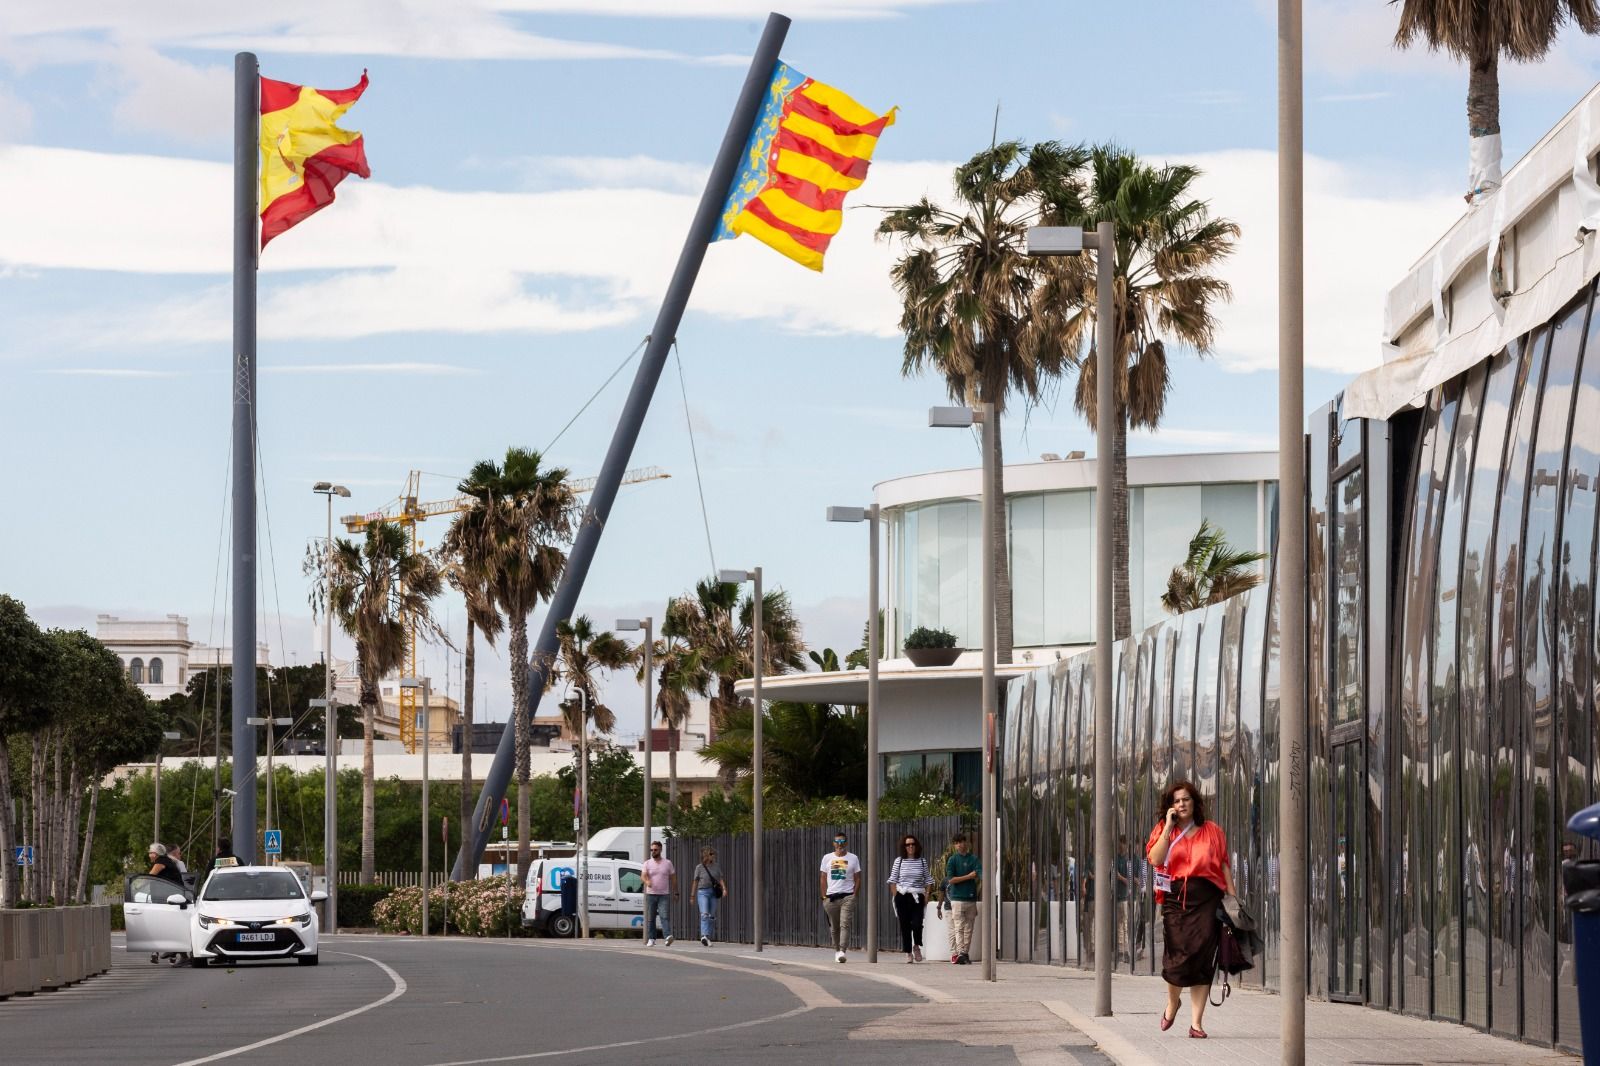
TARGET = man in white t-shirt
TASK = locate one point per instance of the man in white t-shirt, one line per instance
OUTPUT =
(838, 880)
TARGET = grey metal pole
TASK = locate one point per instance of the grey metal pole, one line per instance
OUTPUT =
(157, 836)
(1291, 536)
(874, 894)
(427, 739)
(989, 837)
(272, 823)
(758, 880)
(216, 763)
(246, 138)
(649, 721)
(583, 816)
(662, 334)
(1105, 929)
(330, 772)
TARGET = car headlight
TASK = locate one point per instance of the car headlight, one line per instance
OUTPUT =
(207, 921)
(302, 920)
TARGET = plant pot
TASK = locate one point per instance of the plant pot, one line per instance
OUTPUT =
(933, 656)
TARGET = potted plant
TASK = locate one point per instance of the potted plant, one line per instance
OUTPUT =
(931, 647)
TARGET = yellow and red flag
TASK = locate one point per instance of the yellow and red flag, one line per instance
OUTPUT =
(809, 147)
(304, 154)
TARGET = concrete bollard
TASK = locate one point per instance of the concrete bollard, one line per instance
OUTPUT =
(49, 948)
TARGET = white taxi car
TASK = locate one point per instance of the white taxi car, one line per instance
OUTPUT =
(253, 912)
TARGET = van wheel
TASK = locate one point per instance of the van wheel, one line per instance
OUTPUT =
(561, 925)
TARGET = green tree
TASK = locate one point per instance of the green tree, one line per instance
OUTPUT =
(616, 787)
(1167, 246)
(371, 588)
(27, 666)
(1211, 572)
(1481, 32)
(968, 309)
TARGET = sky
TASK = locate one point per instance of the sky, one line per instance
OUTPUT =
(534, 166)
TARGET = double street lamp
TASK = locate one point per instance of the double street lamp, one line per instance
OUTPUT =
(427, 721)
(647, 627)
(330, 771)
(739, 577)
(869, 515)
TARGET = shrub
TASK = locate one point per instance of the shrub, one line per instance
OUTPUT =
(488, 907)
(116, 917)
(923, 637)
(356, 903)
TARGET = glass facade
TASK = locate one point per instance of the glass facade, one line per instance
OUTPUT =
(1452, 695)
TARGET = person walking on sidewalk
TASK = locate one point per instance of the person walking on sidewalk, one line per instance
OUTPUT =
(660, 889)
(961, 888)
(709, 887)
(1190, 855)
(838, 880)
(909, 878)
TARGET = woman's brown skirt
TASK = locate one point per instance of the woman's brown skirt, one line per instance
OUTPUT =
(1189, 919)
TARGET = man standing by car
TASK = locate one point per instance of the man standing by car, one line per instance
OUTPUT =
(962, 870)
(838, 880)
(660, 888)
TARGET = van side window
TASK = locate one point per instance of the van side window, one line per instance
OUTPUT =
(630, 880)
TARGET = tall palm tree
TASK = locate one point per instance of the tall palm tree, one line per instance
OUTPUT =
(1212, 571)
(371, 587)
(1480, 32)
(584, 656)
(1167, 246)
(679, 674)
(967, 289)
(530, 514)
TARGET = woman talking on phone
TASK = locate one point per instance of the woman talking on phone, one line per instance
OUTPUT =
(1190, 856)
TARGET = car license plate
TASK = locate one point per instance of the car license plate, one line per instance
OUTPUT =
(255, 938)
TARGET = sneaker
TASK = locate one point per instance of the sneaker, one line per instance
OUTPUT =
(838, 956)
(916, 952)
(911, 958)
(955, 960)
(669, 940)
(964, 959)
(650, 943)
(705, 941)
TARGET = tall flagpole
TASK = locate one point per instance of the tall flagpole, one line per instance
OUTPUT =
(665, 331)
(246, 134)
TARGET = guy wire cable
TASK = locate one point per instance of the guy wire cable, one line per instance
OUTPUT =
(705, 518)
(596, 396)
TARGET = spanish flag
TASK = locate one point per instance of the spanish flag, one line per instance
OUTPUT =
(303, 153)
(809, 147)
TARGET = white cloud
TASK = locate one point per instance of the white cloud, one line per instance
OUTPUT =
(16, 117)
(192, 103)
(539, 173)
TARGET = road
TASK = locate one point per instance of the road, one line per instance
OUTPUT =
(411, 1002)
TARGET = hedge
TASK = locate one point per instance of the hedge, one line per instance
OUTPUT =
(487, 907)
(356, 903)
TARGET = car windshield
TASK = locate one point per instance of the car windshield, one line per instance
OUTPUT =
(253, 884)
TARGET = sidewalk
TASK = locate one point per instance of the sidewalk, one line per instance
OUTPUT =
(1242, 1031)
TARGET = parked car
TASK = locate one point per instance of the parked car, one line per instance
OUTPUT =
(616, 895)
(253, 912)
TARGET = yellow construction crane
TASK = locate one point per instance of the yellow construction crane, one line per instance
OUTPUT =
(406, 511)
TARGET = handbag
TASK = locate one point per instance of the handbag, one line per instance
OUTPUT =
(716, 883)
(1229, 959)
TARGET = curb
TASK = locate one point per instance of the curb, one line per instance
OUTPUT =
(1115, 1047)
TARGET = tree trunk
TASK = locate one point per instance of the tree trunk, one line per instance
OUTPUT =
(1483, 121)
(1004, 650)
(72, 809)
(8, 869)
(468, 673)
(518, 647)
(60, 856)
(41, 846)
(88, 842)
(369, 797)
(672, 775)
(1121, 602)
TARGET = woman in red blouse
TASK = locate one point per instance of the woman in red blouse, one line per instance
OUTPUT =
(1190, 856)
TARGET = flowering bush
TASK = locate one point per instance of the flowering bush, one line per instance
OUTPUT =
(489, 906)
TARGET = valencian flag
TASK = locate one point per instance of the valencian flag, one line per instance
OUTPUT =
(809, 147)
(304, 154)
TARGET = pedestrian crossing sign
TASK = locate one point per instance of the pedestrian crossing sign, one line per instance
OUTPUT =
(273, 844)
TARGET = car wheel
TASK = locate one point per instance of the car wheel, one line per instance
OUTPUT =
(198, 963)
(306, 960)
(562, 925)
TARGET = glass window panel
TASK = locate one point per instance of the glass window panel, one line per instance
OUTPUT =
(1268, 792)
(1232, 782)
(1137, 823)
(1208, 652)
(1027, 570)
(957, 581)
(1318, 826)
(1171, 518)
(1247, 758)
(1068, 568)
(1232, 509)
(1183, 695)
(1085, 827)
(1136, 590)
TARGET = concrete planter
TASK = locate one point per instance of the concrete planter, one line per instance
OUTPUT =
(52, 947)
(933, 656)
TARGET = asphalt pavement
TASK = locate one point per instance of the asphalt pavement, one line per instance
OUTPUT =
(413, 1002)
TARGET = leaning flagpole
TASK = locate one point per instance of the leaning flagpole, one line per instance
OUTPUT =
(246, 137)
(665, 331)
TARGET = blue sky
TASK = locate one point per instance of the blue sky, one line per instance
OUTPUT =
(534, 165)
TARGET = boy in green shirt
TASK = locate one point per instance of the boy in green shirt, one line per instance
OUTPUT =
(961, 872)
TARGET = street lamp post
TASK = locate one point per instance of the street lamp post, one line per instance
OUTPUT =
(330, 771)
(271, 743)
(583, 816)
(989, 835)
(427, 720)
(1072, 240)
(165, 735)
(869, 515)
(647, 626)
(758, 755)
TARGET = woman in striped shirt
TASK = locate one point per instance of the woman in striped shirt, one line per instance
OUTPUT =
(909, 879)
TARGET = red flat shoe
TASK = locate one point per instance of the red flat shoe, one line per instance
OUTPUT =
(1166, 1023)
(1196, 1034)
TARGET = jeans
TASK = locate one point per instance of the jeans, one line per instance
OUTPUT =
(840, 910)
(708, 910)
(908, 908)
(656, 908)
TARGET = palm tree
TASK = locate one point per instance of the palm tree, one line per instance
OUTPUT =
(529, 513)
(1167, 244)
(583, 658)
(1212, 571)
(967, 289)
(371, 588)
(470, 555)
(679, 673)
(1480, 32)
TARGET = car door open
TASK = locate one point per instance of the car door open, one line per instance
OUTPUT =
(154, 923)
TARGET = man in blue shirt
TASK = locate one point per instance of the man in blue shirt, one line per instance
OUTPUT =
(962, 871)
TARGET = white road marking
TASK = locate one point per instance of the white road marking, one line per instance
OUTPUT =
(933, 995)
(395, 993)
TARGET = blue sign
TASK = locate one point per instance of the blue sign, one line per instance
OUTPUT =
(24, 855)
(273, 842)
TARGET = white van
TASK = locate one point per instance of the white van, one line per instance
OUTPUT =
(616, 895)
(626, 842)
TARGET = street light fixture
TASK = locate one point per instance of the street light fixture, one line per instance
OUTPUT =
(869, 515)
(427, 721)
(739, 577)
(988, 835)
(646, 626)
(1072, 240)
(582, 818)
(330, 769)
(166, 734)
(271, 743)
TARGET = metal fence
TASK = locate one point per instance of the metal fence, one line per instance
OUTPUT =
(394, 878)
(791, 859)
